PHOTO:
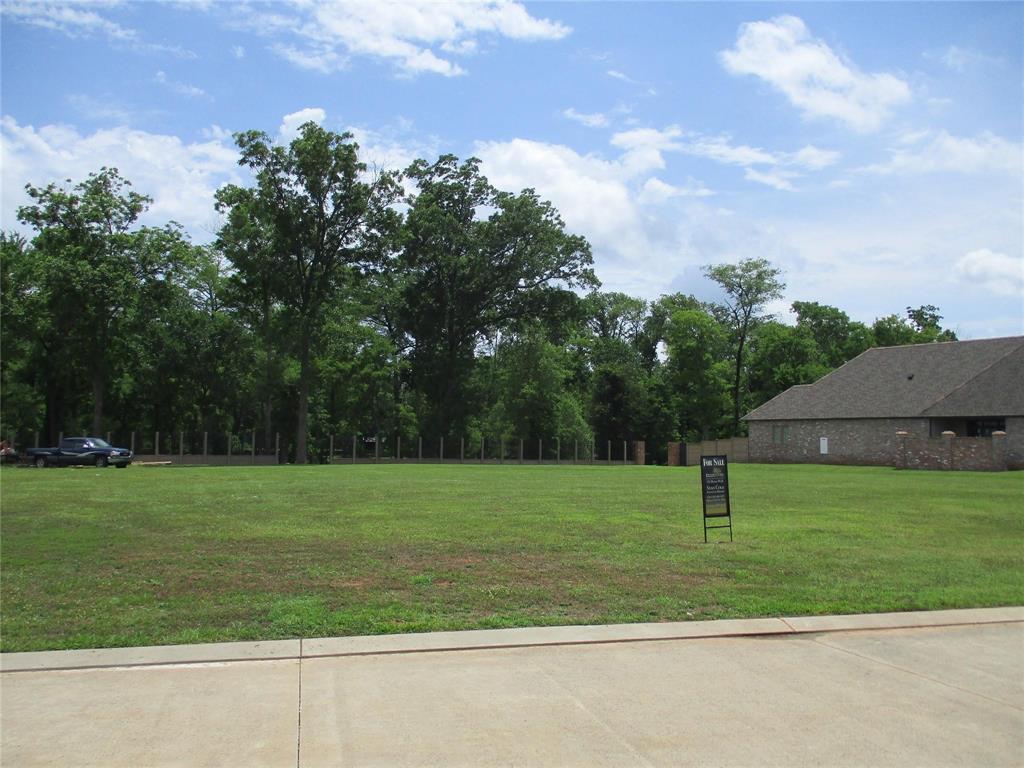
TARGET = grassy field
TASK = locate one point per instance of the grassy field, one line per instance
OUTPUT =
(94, 558)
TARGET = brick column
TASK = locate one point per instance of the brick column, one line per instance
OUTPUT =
(947, 449)
(673, 454)
(640, 452)
(999, 451)
(901, 450)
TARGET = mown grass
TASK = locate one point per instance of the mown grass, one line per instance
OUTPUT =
(96, 558)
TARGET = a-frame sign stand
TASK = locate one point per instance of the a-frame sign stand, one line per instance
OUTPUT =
(714, 490)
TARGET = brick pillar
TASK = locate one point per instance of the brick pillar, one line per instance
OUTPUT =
(947, 449)
(999, 451)
(673, 454)
(640, 452)
(901, 450)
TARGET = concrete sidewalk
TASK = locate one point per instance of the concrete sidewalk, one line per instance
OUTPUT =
(936, 688)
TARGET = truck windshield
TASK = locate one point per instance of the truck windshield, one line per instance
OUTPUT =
(97, 443)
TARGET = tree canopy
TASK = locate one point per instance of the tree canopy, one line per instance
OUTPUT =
(335, 301)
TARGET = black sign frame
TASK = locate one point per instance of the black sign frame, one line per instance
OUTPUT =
(714, 487)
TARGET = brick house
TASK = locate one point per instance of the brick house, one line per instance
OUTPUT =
(854, 414)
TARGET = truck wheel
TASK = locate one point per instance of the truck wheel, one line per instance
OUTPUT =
(41, 461)
(101, 461)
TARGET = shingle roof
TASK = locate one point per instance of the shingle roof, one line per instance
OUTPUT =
(984, 377)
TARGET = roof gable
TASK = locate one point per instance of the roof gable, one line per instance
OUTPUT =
(954, 377)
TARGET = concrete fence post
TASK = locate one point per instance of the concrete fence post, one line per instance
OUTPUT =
(442, 450)
(156, 443)
(593, 450)
(252, 447)
(36, 443)
(575, 451)
(277, 447)
(229, 448)
(482, 441)
(353, 449)
(181, 445)
(501, 450)
(398, 448)
(558, 450)
(376, 448)
(520, 451)
(609, 451)
(108, 439)
(540, 451)
(206, 436)
(999, 450)
(462, 450)
(419, 455)
(131, 447)
(625, 454)
(60, 437)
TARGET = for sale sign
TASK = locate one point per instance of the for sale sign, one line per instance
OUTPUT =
(714, 486)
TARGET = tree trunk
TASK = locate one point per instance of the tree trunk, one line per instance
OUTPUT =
(97, 400)
(736, 387)
(301, 454)
(268, 383)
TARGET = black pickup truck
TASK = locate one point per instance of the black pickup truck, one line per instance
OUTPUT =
(91, 451)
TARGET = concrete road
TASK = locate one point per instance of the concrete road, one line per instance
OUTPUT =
(951, 694)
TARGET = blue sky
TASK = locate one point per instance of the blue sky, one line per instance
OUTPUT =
(873, 151)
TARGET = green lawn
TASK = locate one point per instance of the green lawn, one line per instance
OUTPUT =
(93, 558)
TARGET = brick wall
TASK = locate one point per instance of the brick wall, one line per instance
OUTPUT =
(876, 442)
(734, 448)
(979, 454)
(850, 441)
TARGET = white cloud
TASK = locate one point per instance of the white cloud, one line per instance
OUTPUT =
(996, 272)
(181, 178)
(391, 149)
(182, 89)
(238, 51)
(645, 147)
(986, 154)
(81, 19)
(960, 59)
(291, 123)
(655, 191)
(813, 77)
(72, 19)
(320, 59)
(814, 158)
(591, 120)
(775, 179)
(409, 34)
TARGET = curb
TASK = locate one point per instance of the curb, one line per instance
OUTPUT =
(490, 639)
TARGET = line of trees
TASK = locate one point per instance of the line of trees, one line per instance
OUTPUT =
(335, 300)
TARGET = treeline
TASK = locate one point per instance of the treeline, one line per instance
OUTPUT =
(338, 301)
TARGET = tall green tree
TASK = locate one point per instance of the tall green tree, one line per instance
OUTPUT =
(837, 337)
(748, 286)
(89, 266)
(322, 217)
(470, 277)
(697, 369)
(781, 356)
